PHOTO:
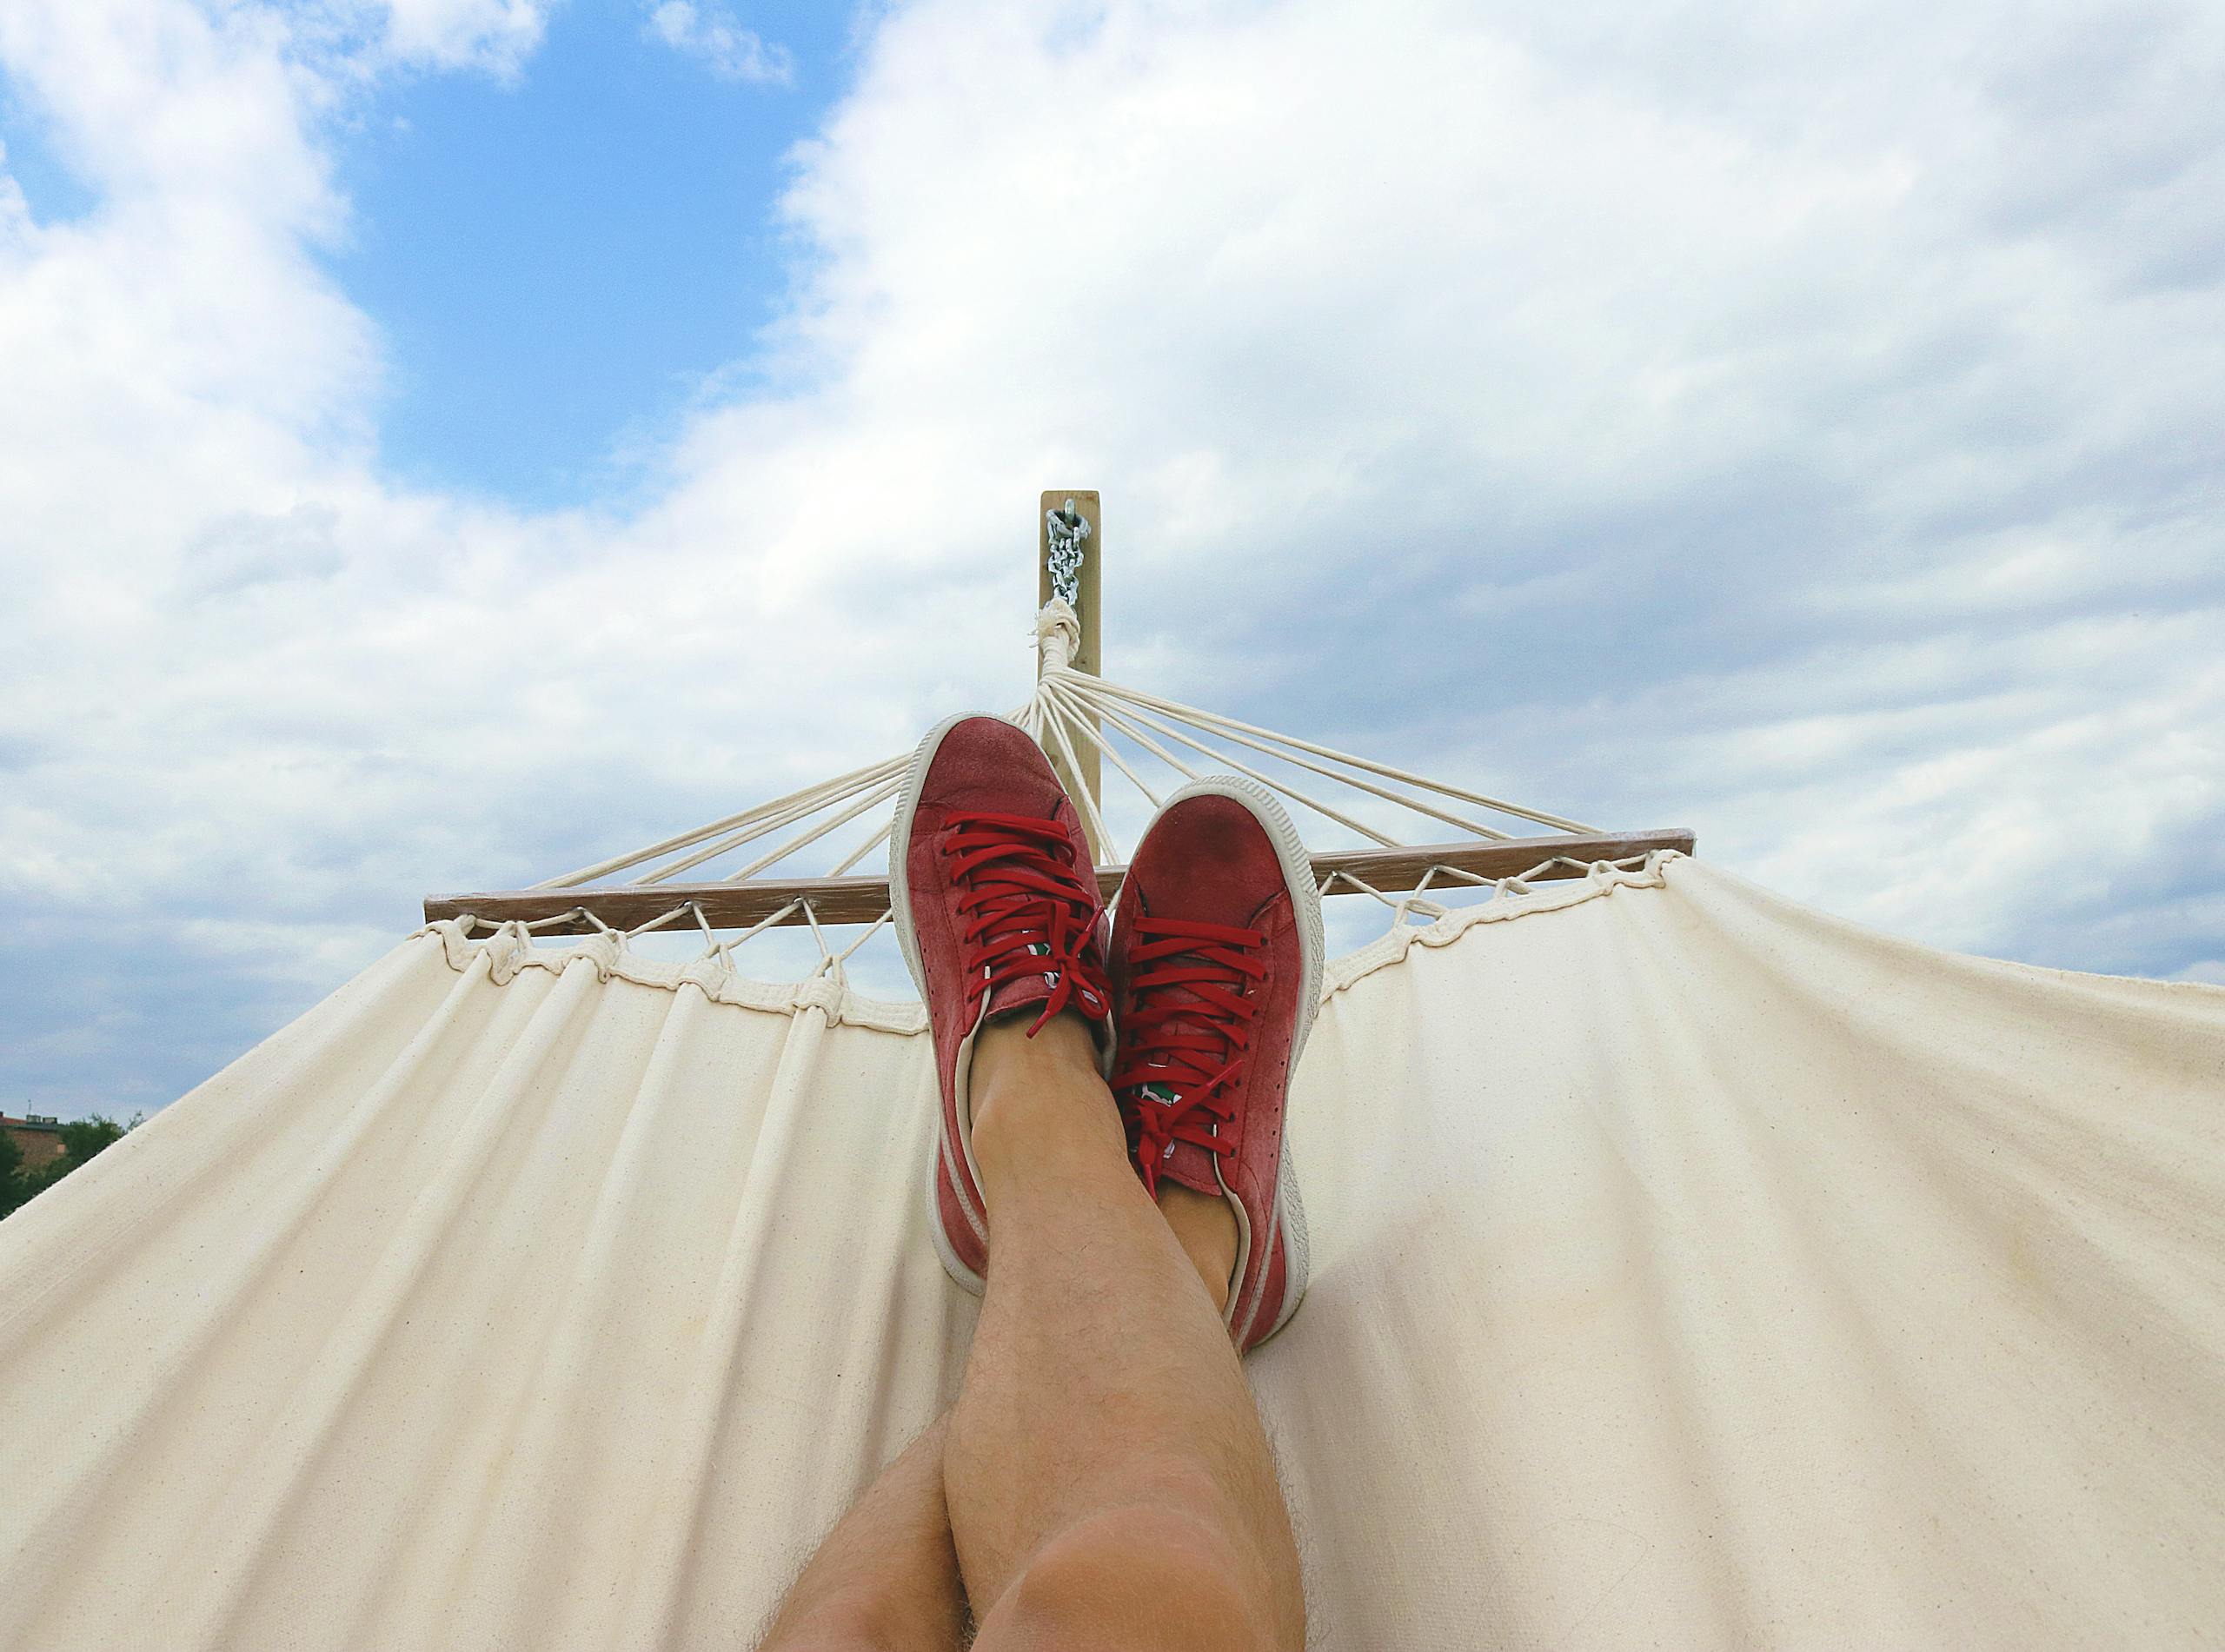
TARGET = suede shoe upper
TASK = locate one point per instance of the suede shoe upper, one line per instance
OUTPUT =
(998, 910)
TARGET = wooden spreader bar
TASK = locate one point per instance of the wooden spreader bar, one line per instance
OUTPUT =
(861, 901)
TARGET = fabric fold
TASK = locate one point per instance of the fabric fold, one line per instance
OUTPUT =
(1689, 1269)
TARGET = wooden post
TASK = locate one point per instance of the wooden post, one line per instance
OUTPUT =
(1086, 658)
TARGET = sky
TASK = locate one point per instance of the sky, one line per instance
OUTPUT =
(444, 441)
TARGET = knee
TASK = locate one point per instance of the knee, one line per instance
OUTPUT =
(1137, 1578)
(866, 1622)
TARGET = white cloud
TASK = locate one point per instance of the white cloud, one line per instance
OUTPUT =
(355, 39)
(711, 32)
(449, 34)
(1808, 432)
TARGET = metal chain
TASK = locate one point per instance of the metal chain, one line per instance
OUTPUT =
(1069, 528)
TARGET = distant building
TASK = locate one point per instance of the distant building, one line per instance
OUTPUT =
(39, 1135)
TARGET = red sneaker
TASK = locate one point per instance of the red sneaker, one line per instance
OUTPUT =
(996, 907)
(1216, 969)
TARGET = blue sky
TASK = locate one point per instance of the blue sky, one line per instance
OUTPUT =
(442, 441)
(55, 195)
(560, 260)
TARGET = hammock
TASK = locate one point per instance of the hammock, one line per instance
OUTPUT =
(1689, 1269)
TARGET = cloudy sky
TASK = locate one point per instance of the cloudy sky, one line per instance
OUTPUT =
(444, 441)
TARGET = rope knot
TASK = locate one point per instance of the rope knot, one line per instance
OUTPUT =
(1058, 634)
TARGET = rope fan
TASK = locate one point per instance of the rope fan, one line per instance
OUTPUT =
(729, 873)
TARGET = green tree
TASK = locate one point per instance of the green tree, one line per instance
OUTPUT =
(15, 1187)
(83, 1139)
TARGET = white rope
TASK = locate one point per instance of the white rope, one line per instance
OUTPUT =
(1144, 740)
(725, 948)
(1017, 717)
(1330, 883)
(1310, 802)
(1417, 897)
(880, 794)
(802, 805)
(470, 921)
(661, 919)
(827, 959)
(1415, 804)
(1070, 715)
(1205, 719)
(827, 791)
(1088, 723)
(1476, 878)
(1057, 636)
(877, 782)
(871, 931)
(1109, 851)
(863, 850)
(1502, 888)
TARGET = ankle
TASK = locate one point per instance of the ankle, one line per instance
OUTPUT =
(1038, 1097)
(1011, 1049)
(1206, 1229)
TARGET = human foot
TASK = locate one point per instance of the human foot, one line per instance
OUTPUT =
(1216, 965)
(997, 910)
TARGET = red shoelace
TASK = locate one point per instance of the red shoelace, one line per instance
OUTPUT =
(1028, 909)
(1186, 1034)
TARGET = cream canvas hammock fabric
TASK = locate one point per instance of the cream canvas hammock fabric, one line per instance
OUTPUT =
(1690, 1269)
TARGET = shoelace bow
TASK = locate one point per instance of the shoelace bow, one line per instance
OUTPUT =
(1028, 911)
(1188, 1027)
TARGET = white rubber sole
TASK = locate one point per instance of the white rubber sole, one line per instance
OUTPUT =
(1289, 1214)
(900, 847)
(948, 1153)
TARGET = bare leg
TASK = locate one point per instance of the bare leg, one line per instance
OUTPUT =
(1107, 1477)
(886, 1578)
(1206, 1228)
